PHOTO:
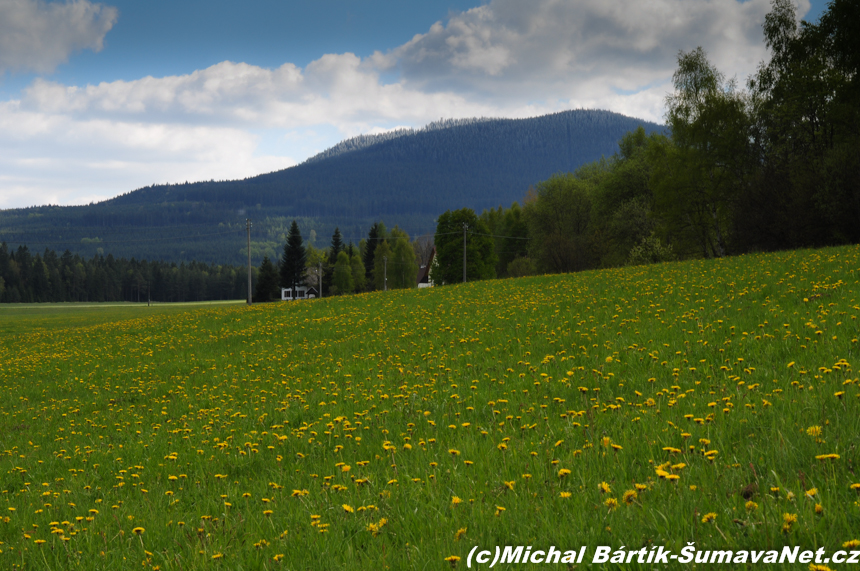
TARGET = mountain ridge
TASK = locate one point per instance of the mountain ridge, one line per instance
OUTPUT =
(406, 177)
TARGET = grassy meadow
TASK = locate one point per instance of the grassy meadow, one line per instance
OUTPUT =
(708, 401)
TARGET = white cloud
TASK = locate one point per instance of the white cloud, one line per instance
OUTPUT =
(579, 51)
(507, 58)
(37, 35)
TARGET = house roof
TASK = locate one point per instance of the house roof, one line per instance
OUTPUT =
(424, 271)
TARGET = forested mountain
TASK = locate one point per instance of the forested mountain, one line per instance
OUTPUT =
(407, 177)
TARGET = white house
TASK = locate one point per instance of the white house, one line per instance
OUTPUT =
(302, 292)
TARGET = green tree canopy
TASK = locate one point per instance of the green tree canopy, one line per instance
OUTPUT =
(358, 272)
(480, 254)
(559, 218)
(342, 276)
(698, 179)
(403, 266)
(380, 268)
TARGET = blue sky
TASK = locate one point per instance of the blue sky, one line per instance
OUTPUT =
(97, 99)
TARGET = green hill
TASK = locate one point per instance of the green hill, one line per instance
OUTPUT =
(407, 178)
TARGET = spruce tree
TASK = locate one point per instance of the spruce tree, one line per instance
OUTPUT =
(336, 246)
(377, 233)
(331, 259)
(293, 262)
(267, 282)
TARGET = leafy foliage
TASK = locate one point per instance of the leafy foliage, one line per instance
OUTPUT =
(775, 166)
(342, 275)
(452, 228)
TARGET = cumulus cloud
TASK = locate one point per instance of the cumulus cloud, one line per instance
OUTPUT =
(582, 50)
(58, 159)
(335, 89)
(37, 35)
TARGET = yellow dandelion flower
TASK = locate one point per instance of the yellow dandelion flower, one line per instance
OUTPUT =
(565, 494)
(604, 488)
(709, 517)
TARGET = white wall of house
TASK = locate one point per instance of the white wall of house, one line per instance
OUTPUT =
(301, 293)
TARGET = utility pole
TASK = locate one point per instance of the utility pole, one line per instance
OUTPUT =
(319, 275)
(385, 273)
(465, 227)
(248, 228)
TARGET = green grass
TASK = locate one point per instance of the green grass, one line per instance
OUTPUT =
(21, 317)
(336, 433)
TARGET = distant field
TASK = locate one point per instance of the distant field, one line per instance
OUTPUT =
(21, 317)
(713, 402)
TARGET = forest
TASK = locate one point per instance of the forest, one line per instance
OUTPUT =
(772, 166)
(47, 277)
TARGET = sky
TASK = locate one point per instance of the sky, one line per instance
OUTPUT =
(98, 99)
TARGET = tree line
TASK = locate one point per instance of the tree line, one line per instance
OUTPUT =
(48, 277)
(775, 165)
(385, 259)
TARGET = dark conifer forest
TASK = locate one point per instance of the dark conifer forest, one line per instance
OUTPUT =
(408, 177)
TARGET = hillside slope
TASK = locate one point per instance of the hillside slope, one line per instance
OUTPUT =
(406, 178)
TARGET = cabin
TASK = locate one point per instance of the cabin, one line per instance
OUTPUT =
(302, 292)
